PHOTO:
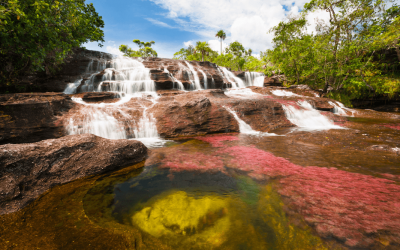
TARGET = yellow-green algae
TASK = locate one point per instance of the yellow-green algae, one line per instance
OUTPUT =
(78, 215)
(203, 220)
(57, 220)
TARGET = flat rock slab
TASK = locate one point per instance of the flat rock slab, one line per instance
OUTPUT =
(28, 170)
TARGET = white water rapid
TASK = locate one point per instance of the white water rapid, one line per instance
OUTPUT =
(245, 128)
(130, 79)
(254, 79)
(193, 77)
(307, 118)
(340, 109)
(279, 92)
(235, 81)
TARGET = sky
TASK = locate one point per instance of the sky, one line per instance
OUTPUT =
(175, 24)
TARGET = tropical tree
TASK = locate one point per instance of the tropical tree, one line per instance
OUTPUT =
(145, 49)
(37, 35)
(221, 35)
(203, 48)
(183, 53)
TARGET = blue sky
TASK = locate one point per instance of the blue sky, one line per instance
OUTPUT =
(174, 24)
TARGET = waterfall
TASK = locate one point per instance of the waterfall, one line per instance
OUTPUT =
(193, 77)
(308, 118)
(279, 92)
(254, 79)
(235, 81)
(205, 78)
(340, 109)
(245, 128)
(71, 87)
(129, 78)
(96, 121)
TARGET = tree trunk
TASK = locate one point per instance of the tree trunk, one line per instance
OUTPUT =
(397, 49)
(221, 46)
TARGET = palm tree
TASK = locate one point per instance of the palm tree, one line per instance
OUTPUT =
(221, 35)
(203, 48)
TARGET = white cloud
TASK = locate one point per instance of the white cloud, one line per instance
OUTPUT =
(247, 21)
(216, 45)
(188, 43)
(159, 23)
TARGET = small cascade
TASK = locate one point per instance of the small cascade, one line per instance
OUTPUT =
(243, 93)
(279, 92)
(205, 78)
(98, 122)
(245, 128)
(235, 81)
(340, 109)
(128, 76)
(176, 81)
(71, 87)
(254, 79)
(193, 77)
(308, 118)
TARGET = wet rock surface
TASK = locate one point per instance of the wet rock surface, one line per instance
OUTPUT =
(30, 117)
(203, 112)
(74, 67)
(28, 170)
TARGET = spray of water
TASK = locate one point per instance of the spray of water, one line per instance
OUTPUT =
(245, 128)
(307, 118)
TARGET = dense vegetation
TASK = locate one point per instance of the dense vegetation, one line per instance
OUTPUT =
(351, 56)
(144, 50)
(37, 36)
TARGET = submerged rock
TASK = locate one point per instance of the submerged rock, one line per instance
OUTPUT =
(28, 170)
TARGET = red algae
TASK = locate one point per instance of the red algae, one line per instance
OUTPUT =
(392, 126)
(216, 141)
(351, 207)
(348, 206)
(183, 161)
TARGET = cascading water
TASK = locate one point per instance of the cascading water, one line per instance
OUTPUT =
(193, 77)
(235, 81)
(129, 78)
(308, 118)
(71, 87)
(243, 93)
(340, 109)
(279, 92)
(180, 84)
(96, 121)
(205, 78)
(254, 79)
(245, 128)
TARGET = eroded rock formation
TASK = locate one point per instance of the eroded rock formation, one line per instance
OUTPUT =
(28, 170)
(32, 117)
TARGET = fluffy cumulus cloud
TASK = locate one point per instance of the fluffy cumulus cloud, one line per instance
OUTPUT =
(247, 21)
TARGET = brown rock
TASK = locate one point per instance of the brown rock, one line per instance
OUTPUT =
(33, 117)
(203, 112)
(28, 170)
(272, 81)
(100, 97)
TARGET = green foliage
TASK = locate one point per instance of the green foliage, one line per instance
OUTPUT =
(203, 48)
(183, 53)
(236, 57)
(341, 54)
(145, 49)
(37, 35)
